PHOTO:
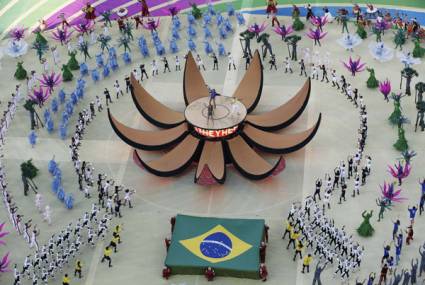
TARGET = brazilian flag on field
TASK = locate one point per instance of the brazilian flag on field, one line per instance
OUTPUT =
(230, 246)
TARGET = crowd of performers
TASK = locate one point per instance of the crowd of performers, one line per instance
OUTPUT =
(308, 227)
(63, 248)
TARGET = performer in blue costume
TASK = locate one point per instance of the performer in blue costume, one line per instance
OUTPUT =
(207, 33)
(208, 47)
(173, 46)
(380, 52)
(349, 41)
(95, 75)
(16, 48)
(106, 70)
(99, 60)
(191, 45)
(84, 70)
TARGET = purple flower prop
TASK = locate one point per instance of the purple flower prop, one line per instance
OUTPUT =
(385, 89)
(399, 171)
(17, 33)
(4, 264)
(173, 11)
(388, 193)
(319, 21)
(84, 28)
(354, 66)
(50, 81)
(39, 96)
(151, 24)
(62, 36)
(2, 234)
(255, 28)
(316, 34)
(382, 25)
(283, 31)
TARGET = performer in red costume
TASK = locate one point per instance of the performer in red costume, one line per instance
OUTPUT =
(209, 274)
(263, 272)
(166, 272)
(145, 8)
(90, 12)
(271, 7)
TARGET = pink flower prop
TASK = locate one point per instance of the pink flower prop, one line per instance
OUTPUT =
(173, 11)
(354, 66)
(319, 21)
(50, 81)
(316, 34)
(255, 28)
(39, 96)
(62, 36)
(399, 171)
(2, 234)
(4, 264)
(387, 191)
(84, 27)
(151, 24)
(17, 33)
(385, 88)
(283, 31)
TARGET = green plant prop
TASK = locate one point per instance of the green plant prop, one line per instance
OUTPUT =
(366, 229)
(298, 25)
(72, 62)
(372, 82)
(66, 73)
(20, 73)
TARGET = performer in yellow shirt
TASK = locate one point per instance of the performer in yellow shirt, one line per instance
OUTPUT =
(293, 236)
(298, 249)
(66, 280)
(78, 268)
(288, 229)
(308, 259)
(107, 255)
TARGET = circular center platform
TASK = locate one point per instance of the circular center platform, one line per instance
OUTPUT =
(227, 114)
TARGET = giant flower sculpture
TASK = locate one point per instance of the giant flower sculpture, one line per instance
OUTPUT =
(229, 135)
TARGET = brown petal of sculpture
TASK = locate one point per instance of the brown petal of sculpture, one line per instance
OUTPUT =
(194, 86)
(174, 161)
(213, 158)
(285, 114)
(279, 143)
(152, 110)
(247, 161)
(148, 140)
(251, 86)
